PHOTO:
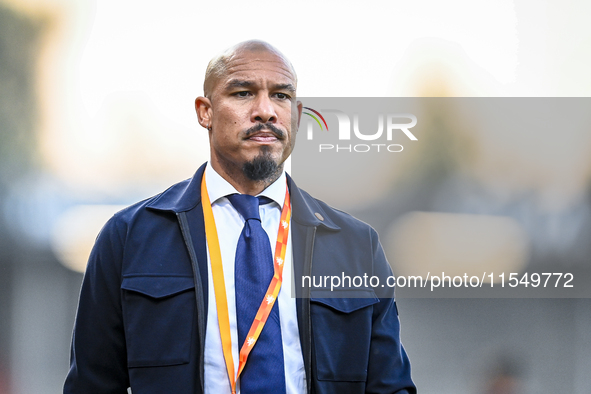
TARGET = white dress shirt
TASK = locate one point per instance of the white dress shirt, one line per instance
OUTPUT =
(229, 224)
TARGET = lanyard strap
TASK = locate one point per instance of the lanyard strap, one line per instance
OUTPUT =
(221, 300)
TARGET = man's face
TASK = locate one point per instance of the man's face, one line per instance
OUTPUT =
(251, 111)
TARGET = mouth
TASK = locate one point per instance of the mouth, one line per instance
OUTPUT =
(263, 137)
(264, 133)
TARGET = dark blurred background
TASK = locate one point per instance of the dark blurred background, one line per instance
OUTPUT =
(96, 112)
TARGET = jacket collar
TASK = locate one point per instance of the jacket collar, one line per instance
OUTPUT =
(306, 210)
(180, 197)
(186, 195)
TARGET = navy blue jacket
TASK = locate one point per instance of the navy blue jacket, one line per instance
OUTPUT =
(143, 304)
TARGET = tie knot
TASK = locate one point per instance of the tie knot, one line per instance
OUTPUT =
(247, 205)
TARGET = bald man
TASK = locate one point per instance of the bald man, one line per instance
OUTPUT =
(190, 291)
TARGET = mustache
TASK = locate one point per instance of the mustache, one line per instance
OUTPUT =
(269, 126)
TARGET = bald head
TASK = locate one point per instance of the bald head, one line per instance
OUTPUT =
(218, 66)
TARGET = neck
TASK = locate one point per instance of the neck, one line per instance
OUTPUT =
(241, 182)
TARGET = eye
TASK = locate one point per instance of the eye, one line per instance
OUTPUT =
(283, 96)
(242, 94)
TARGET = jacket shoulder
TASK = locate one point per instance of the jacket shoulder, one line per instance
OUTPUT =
(339, 217)
(132, 212)
(181, 196)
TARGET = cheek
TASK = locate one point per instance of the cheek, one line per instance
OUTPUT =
(294, 124)
(230, 115)
(226, 127)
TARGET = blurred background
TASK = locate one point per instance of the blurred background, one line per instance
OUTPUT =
(96, 112)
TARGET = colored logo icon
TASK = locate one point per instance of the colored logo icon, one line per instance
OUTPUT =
(316, 118)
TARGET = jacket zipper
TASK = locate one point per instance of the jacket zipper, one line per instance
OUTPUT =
(310, 237)
(184, 224)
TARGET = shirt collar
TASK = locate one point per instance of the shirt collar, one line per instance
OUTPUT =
(218, 187)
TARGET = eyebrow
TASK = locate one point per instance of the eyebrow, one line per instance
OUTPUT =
(237, 83)
(285, 86)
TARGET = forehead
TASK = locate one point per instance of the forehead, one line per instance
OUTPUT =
(258, 66)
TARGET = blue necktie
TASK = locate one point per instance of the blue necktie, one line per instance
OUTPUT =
(264, 371)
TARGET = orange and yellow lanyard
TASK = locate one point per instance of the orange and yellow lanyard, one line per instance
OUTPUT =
(221, 301)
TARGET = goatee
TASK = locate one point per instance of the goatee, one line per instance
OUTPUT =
(262, 167)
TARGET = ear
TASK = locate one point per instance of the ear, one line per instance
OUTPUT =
(204, 111)
(300, 106)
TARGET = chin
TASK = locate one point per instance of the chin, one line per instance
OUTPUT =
(263, 167)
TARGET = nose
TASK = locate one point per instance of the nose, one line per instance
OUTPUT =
(263, 110)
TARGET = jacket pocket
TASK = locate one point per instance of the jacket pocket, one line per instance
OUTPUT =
(158, 314)
(341, 331)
